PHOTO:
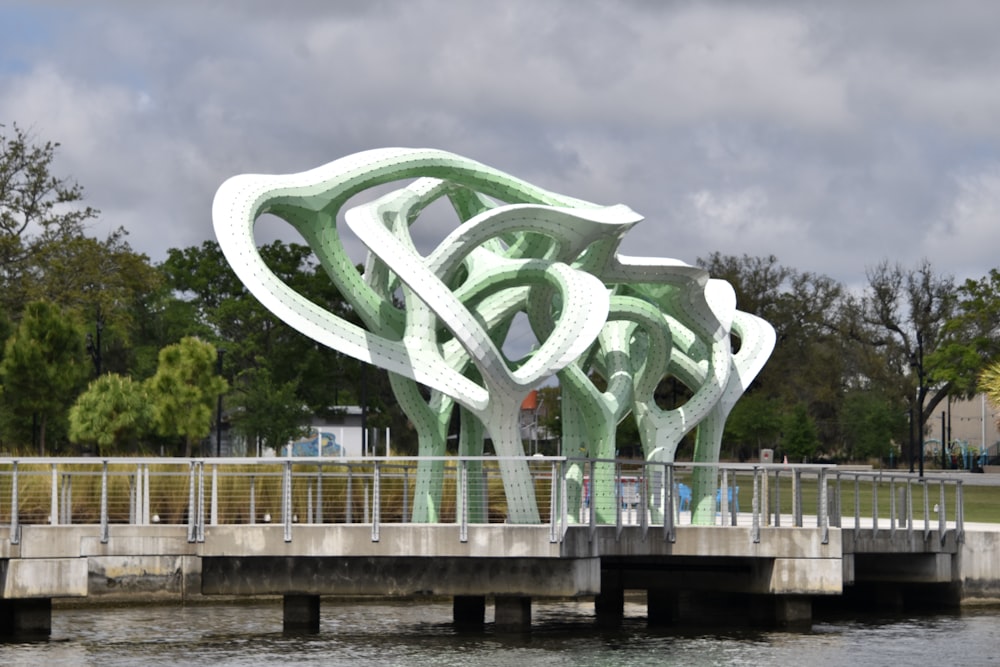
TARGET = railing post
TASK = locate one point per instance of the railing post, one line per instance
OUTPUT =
(54, 499)
(406, 493)
(145, 494)
(824, 510)
(15, 528)
(909, 510)
(376, 500)
(797, 497)
(215, 495)
(463, 500)
(591, 519)
(777, 498)
(564, 498)
(644, 500)
(927, 512)
(66, 499)
(724, 497)
(286, 500)
(104, 503)
(192, 509)
(253, 499)
(201, 501)
(839, 503)
(554, 509)
(669, 533)
(959, 512)
(319, 494)
(309, 503)
(619, 497)
(942, 512)
(347, 510)
(755, 504)
(892, 505)
(875, 481)
(857, 506)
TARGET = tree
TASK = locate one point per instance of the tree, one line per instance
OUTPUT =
(901, 318)
(871, 423)
(184, 390)
(101, 280)
(971, 339)
(113, 411)
(754, 424)
(37, 209)
(989, 383)
(43, 368)
(803, 308)
(266, 413)
(799, 438)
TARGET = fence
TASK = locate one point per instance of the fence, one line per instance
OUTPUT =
(466, 491)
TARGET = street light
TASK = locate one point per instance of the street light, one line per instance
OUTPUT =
(917, 363)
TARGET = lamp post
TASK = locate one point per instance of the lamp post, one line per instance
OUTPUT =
(917, 363)
(218, 414)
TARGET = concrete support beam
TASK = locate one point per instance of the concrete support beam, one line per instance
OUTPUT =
(512, 576)
(468, 612)
(512, 613)
(26, 618)
(300, 613)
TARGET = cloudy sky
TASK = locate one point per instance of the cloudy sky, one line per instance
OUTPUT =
(832, 135)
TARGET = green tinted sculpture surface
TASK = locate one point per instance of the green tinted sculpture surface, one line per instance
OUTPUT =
(440, 319)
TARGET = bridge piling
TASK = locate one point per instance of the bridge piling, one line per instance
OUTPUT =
(468, 612)
(300, 613)
(26, 618)
(512, 613)
(609, 604)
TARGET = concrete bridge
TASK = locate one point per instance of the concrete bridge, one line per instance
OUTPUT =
(304, 529)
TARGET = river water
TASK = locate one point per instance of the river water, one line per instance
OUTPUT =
(420, 633)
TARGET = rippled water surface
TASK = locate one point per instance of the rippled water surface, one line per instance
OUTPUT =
(419, 633)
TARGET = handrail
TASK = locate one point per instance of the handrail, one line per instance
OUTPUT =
(324, 490)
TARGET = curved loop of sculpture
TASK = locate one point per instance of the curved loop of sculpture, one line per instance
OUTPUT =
(516, 249)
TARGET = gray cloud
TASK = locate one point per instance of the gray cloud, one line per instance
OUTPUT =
(829, 134)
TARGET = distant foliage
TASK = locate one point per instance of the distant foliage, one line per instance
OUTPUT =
(112, 413)
(184, 390)
(44, 367)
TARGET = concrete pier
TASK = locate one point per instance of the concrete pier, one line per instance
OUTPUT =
(708, 575)
(300, 613)
(27, 618)
(512, 613)
(468, 612)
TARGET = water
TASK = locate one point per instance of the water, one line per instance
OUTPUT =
(418, 633)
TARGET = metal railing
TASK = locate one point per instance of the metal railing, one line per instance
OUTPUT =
(468, 491)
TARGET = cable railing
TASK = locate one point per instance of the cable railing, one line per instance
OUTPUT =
(470, 491)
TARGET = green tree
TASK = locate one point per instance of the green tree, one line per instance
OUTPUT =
(184, 390)
(799, 438)
(754, 424)
(901, 318)
(102, 281)
(989, 383)
(970, 339)
(265, 413)
(37, 210)
(871, 424)
(43, 368)
(112, 413)
(251, 335)
(803, 308)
